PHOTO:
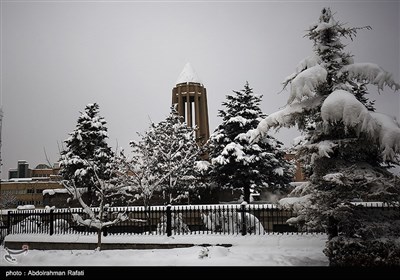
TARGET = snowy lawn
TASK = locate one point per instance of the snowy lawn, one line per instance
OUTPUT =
(251, 250)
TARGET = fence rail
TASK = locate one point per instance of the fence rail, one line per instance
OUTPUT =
(161, 220)
(166, 220)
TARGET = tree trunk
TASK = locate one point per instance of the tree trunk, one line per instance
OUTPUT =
(99, 239)
(147, 211)
(332, 227)
(246, 194)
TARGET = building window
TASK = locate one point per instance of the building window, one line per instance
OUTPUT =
(30, 190)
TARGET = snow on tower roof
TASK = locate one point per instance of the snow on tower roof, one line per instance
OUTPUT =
(188, 75)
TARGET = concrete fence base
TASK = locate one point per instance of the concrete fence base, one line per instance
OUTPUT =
(17, 245)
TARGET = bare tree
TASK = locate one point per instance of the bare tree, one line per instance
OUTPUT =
(97, 217)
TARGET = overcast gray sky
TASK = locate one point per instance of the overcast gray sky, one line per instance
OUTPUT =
(58, 56)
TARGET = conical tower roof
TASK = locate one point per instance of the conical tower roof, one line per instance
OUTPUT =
(188, 75)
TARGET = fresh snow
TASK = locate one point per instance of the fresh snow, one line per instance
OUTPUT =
(389, 134)
(342, 106)
(235, 149)
(295, 203)
(26, 207)
(305, 83)
(279, 171)
(323, 149)
(239, 119)
(202, 165)
(54, 191)
(188, 75)
(249, 250)
(306, 63)
(369, 73)
(285, 117)
(334, 178)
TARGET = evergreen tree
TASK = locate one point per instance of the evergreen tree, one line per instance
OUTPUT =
(165, 159)
(85, 149)
(348, 147)
(235, 162)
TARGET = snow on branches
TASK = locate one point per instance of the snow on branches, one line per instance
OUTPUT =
(369, 73)
(342, 106)
(305, 83)
(286, 117)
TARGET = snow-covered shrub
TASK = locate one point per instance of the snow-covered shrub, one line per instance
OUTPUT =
(231, 222)
(31, 224)
(366, 236)
(344, 251)
(60, 226)
(213, 221)
(177, 224)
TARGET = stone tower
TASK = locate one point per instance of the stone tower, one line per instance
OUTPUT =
(191, 98)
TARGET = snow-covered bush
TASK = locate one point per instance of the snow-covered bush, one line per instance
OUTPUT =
(360, 252)
(178, 226)
(31, 224)
(60, 225)
(228, 221)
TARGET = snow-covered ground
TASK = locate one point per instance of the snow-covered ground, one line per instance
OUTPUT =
(251, 250)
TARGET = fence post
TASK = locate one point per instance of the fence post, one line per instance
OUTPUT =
(51, 222)
(243, 209)
(169, 227)
(9, 222)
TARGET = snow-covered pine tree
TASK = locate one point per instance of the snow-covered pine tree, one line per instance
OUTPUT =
(238, 164)
(88, 166)
(348, 146)
(165, 159)
(87, 147)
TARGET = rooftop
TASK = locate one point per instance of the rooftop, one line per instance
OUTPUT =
(188, 75)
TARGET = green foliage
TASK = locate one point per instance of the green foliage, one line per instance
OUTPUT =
(346, 252)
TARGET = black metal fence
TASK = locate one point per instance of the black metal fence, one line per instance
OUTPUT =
(162, 220)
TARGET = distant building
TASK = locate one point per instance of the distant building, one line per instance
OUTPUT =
(22, 171)
(41, 171)
(27, 185)
(299, 175)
